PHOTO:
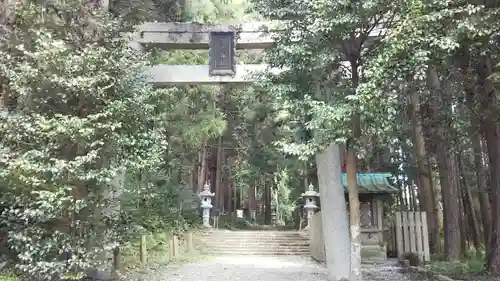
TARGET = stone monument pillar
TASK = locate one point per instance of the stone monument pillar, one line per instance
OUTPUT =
(310, 199)
(334, 213)
(206, 204)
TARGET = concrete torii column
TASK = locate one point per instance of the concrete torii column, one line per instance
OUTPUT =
(334, 213)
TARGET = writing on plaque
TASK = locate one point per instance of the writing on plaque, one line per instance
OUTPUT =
(222, 60)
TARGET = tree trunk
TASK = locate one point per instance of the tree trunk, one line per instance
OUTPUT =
(229, 197)
(219, 191)
(475, 138)
(252, 201)
(462, 205)
(352, 186)
(451, 212)
(491, 130)
(267, 203)
(354, 215)
(202, 168)
(427, 198)
(447, 169)
(469, 207)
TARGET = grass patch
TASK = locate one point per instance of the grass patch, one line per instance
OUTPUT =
(458, 269)
(158, 253)
(9, 276)
(473, 264)
(158, 257)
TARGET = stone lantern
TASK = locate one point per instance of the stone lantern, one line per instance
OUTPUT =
(206, 204)
(310, 199)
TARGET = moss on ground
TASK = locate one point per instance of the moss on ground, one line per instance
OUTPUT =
(473, 264)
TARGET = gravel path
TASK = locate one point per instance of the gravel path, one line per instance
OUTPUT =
(256, 268)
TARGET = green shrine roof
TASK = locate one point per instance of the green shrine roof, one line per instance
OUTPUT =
(369, 183)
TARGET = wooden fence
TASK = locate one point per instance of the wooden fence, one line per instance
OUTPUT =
(173, 246)
(412, 234)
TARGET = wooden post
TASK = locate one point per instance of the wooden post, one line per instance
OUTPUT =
(379, 211)
(412, 230)
(189, 242)
(425, 232)
(399, 234)
(174, 246)
(406, 234)
(116, 259)
(216, 221)
(419, 234)
(143, 250)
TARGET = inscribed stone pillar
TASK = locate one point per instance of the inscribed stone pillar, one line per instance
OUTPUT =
(334, 213)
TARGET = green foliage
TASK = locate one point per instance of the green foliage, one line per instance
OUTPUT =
(153, 205)
(9, 278)
(283, 203)
(157, 251)
(316, 87)
(211, 11)
(84, 114)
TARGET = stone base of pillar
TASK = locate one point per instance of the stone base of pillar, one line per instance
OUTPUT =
(253, 216)
(206, 223)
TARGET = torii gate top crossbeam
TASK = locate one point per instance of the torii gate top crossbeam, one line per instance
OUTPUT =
(165, 75)
(175, 35)
(180, 35)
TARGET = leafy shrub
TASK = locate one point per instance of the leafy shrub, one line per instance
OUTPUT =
(157, 206)
(83, 117)
(9, 278)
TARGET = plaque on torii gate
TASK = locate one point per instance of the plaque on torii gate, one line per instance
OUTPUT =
(222, 53)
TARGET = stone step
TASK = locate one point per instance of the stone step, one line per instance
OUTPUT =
(258, 249)
(252, 240)
(258, 253)
(253, 232)
(289, 236)
(254, 244)
(257, 243)
(255, 236)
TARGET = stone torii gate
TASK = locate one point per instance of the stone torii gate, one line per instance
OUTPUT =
(222, 41)
(195, 36)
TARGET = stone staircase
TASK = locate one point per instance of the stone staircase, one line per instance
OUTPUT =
(254, 242)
